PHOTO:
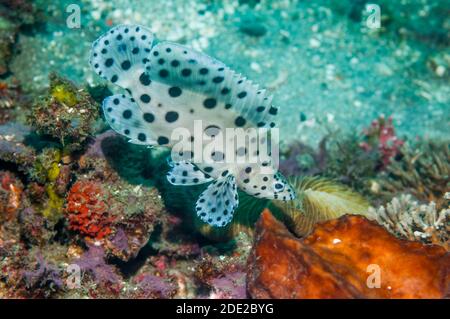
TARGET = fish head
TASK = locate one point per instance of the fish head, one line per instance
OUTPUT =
(269, 185)
(280, 188)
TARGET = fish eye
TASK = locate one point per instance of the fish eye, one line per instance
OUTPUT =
(279, 186)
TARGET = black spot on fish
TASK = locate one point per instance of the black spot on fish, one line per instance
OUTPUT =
(144, 78)
(242, 94)
(171, 116)
(109, 62)
(175, 91)
(116, 101)
(278, 186)
(127, 114)
(163, 73)
(203, 71)
(218, 79)
(212, 130)
(142, 137)
(210, 103)
(126, 65)
(273, 110)
(186, 72)
(145, 98)
(240, 121)
(149, 117)
(241, 151)
(114, 78)
(175, 63)
(162, 140)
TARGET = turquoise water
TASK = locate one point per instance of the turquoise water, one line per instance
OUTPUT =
(328, 71)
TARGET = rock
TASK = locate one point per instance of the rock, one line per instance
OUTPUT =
(13, 148)
(339, 260)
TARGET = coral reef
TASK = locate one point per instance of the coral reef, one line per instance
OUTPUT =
(422, 171)
(93, 263)
(44, 280)
(66, 113)
(405, 218)
(341, 259)
(152, 286)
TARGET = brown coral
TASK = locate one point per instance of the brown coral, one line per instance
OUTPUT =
(337, 261)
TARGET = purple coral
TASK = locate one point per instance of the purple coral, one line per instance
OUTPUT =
(93, 261)
(229, 286)
(45, 276)
(120, 240)
(154, 287)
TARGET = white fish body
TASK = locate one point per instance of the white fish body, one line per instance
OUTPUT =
(169, 86)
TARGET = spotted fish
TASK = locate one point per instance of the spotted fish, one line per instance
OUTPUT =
(167, 86)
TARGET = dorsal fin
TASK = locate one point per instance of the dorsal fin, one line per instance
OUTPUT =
(182, 67)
